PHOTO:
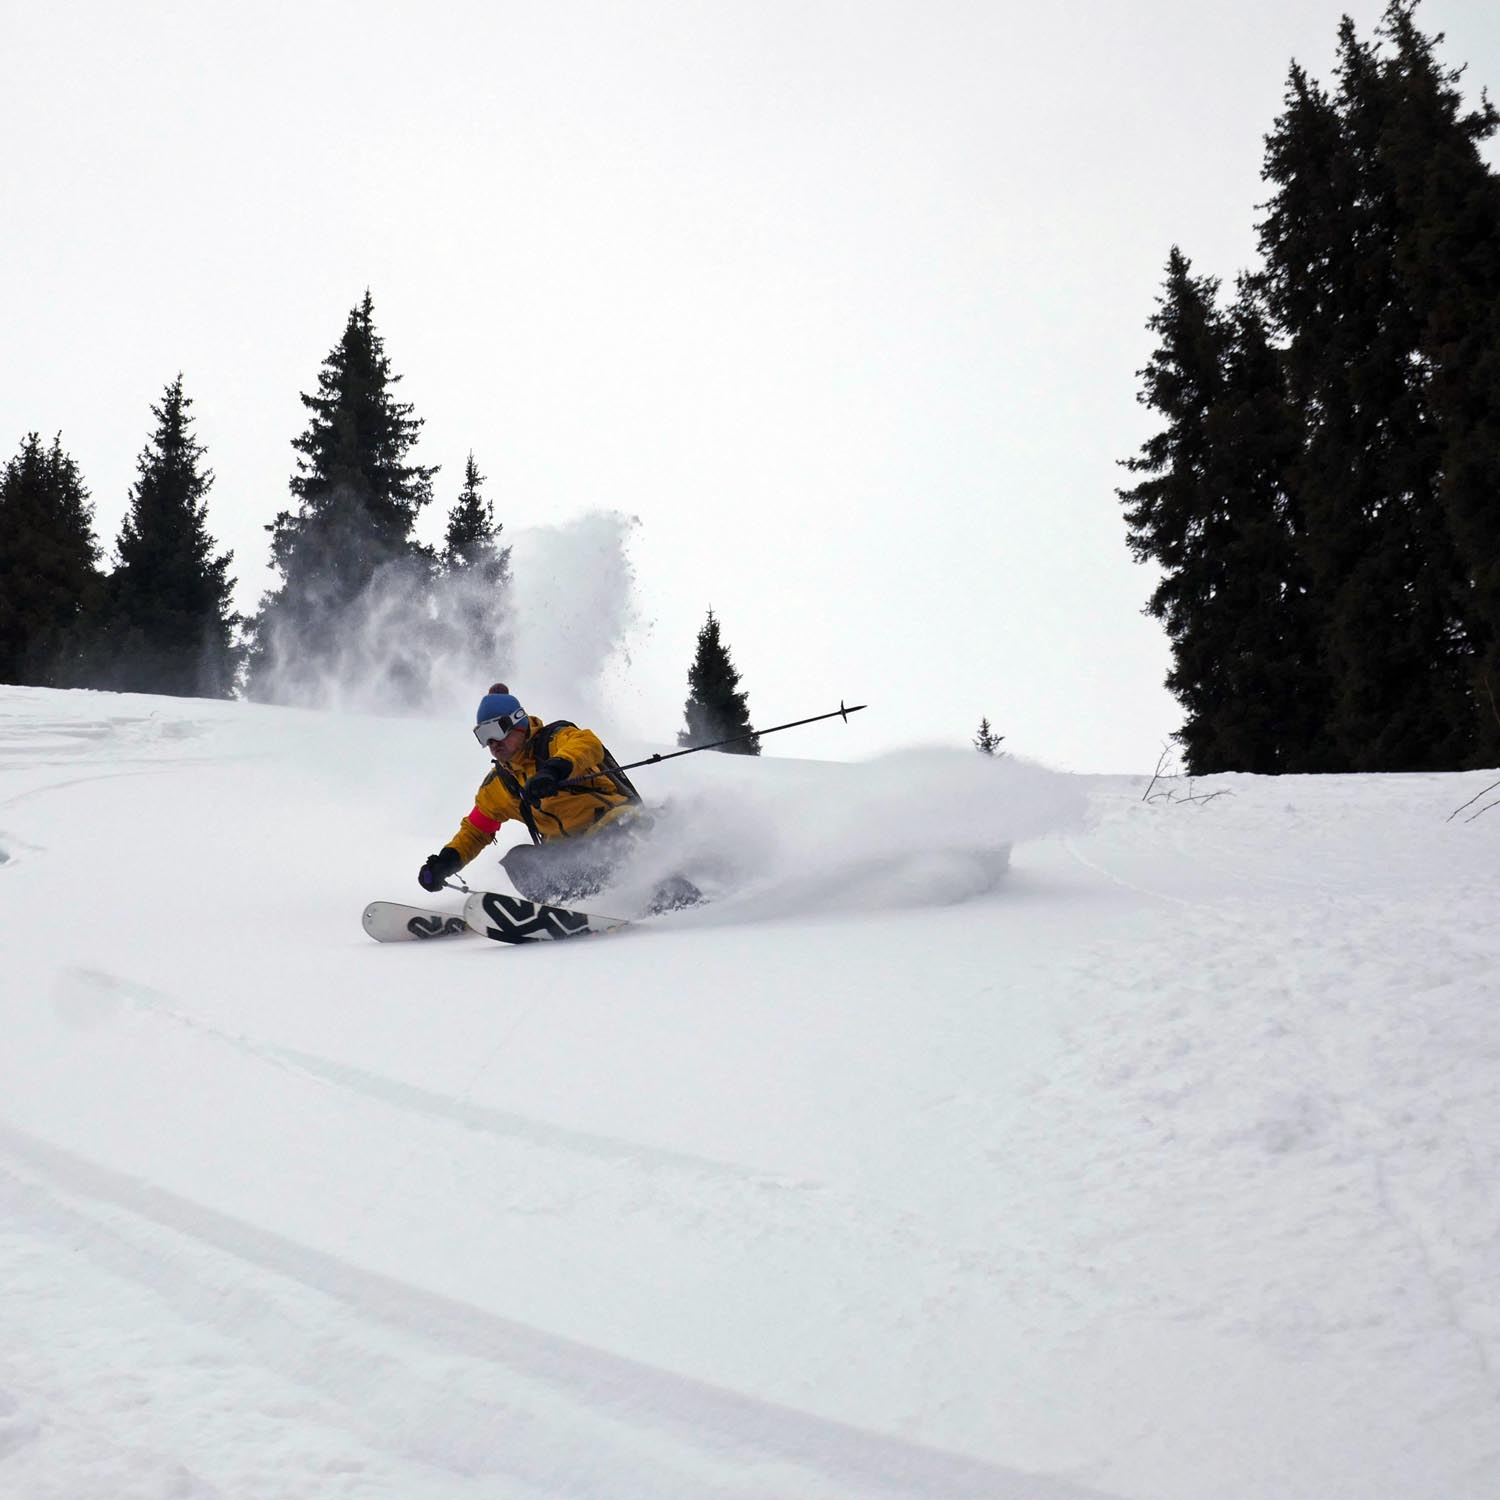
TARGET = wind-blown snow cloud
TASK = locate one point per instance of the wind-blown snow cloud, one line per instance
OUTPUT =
(919, 827)
(574, 608)
(410, 645)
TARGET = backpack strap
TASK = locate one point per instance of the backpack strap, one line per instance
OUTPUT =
(540, 745)
(609, 767)
(620, 779)
(507, 778)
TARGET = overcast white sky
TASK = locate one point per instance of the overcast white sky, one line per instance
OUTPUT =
(843, 300)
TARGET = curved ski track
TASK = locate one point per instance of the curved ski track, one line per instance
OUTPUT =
(451, 1390)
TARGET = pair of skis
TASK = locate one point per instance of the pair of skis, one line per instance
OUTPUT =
(504, 919)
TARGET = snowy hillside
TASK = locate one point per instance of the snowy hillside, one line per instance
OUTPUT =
(1163, 1165)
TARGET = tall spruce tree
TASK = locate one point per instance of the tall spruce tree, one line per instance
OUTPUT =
(987, 742)
(169, 612)
(1387, 576)
(1212, 511)
(1169, 513)
(49, 578)
(359, 499)
(716, 709)
(1447, 211)
(1272, 694)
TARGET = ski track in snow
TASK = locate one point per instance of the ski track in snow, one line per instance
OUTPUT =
(712, 1197)
(1161, 1167)
(436, 1385)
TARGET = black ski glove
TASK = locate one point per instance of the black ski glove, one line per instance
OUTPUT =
(549, 776)
(439, 867)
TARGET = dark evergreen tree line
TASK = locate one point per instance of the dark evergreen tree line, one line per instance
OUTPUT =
(1323, 498)
(357, 589)
(362, 608)
(161, 620)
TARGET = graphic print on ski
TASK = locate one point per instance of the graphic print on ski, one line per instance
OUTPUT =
(512, 919)
(395, 922)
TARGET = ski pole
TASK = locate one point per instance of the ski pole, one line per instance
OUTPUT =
(838, 713)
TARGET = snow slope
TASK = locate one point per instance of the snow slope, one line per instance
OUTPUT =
(1162, 1165)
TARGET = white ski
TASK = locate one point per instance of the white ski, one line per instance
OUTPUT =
(391, 922)
(512, 919)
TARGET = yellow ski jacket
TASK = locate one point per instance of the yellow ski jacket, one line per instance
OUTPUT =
(575, 813)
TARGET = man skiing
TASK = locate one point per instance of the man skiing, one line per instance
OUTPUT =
(560, 781)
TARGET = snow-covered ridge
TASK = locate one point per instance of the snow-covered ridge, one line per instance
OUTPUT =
(1161, 1163)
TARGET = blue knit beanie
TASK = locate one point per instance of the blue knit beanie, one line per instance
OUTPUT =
(496, 706)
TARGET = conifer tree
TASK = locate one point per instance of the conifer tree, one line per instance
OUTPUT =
(1388, 578)
(169, 612)
(359, 498)
(473, 535)
(987, 742)
(1213, 511)
(1208, 512)
(477, 572)
(1170, 513)
(1271, 693)
(49, 579)
(1447, 208)
(1322, 501)
(715, 709)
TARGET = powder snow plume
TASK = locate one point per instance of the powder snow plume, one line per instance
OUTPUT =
(573, 612)
(409, 645)
(922, 827)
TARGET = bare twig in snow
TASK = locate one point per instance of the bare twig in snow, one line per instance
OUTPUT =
(1472, 800)
(1161, 765)
(1176, 794)
(1490, 694)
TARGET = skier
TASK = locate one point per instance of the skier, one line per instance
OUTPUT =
(560, 781)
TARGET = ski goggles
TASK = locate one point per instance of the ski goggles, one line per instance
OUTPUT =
(497, 728)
